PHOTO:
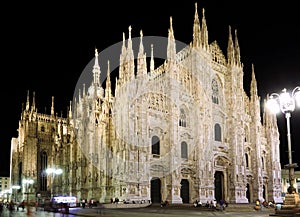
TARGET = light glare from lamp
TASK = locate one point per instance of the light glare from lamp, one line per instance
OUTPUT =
(297, 98)
(273, 105)
(287, 103)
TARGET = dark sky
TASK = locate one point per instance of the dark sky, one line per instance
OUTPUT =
(45, 47)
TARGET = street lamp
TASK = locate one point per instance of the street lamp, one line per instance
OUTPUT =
(286, 103)
(53, 172)
(16, 188)
(27, 182)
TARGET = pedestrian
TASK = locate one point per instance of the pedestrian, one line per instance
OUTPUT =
(196, 203)
(257, 204)
(262, 205)
(214, 205)
(1, 208)
(83, 203)
(100, 208)
(222, 205)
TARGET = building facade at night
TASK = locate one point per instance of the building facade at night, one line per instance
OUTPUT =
(183, 131)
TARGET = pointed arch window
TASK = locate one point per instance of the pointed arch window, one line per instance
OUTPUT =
(215, 91)
(155, 144)
(247, 160)
(262, 163)
(43, 167)
(218, 133)
(184, 150)
(182, 118)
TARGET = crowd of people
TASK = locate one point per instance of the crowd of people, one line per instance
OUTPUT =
(261, 204)
(12, 206)
(213, 204)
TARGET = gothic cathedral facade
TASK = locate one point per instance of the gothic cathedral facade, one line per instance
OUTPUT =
(181, 132)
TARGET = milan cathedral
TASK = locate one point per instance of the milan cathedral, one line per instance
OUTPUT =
(183, 131)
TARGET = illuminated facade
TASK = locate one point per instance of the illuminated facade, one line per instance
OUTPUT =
(183, 131)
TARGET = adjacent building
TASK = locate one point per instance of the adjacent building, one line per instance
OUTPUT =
(5, 189)
(183, 131)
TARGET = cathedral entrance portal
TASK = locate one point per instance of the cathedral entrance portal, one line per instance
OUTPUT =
(264, 192)
(185, 191)
(219, 185)
(248, 192)
(155, 190)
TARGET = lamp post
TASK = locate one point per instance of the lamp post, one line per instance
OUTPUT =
(53, 172)
(27, 182)
(16, 188)
(286, 103)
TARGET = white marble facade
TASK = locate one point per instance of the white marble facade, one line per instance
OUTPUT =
(183, 131)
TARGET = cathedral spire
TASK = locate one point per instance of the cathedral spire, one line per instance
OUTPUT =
(116, 86)
(141, 60)
(171, 49)
(196, 29)
(27, 101)
(253, 88)
(122, 58)
(108, 83)
(237, 50)
(151, 59)
(79, 96)
(130, 56)
(230, 49)
(96, 70)
(33, 101)
(204, 32)
(254, 98)
(52, 106)
(123, 51)
(83, 91)
(70, 110)
(141, 50)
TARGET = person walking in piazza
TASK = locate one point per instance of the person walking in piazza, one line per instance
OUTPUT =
(83, 203)
(214, 204)
(222, 204)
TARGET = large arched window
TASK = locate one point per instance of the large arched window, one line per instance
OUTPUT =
(184, 150)
(155, 145)
(43, 167)
(215, 91)
(182, 118)
(218, 133)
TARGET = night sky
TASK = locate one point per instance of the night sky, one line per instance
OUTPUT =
(45, 48)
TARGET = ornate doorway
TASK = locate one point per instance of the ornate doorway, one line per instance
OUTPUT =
(248, 192)
(185, 191)
(155, 190)
(219, 185)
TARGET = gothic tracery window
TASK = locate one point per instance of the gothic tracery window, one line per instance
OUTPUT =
(184, 150)
(43, 167)
(215, 91)
(182, 118)
(155, 145)
(247, 160)
(218, 133)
